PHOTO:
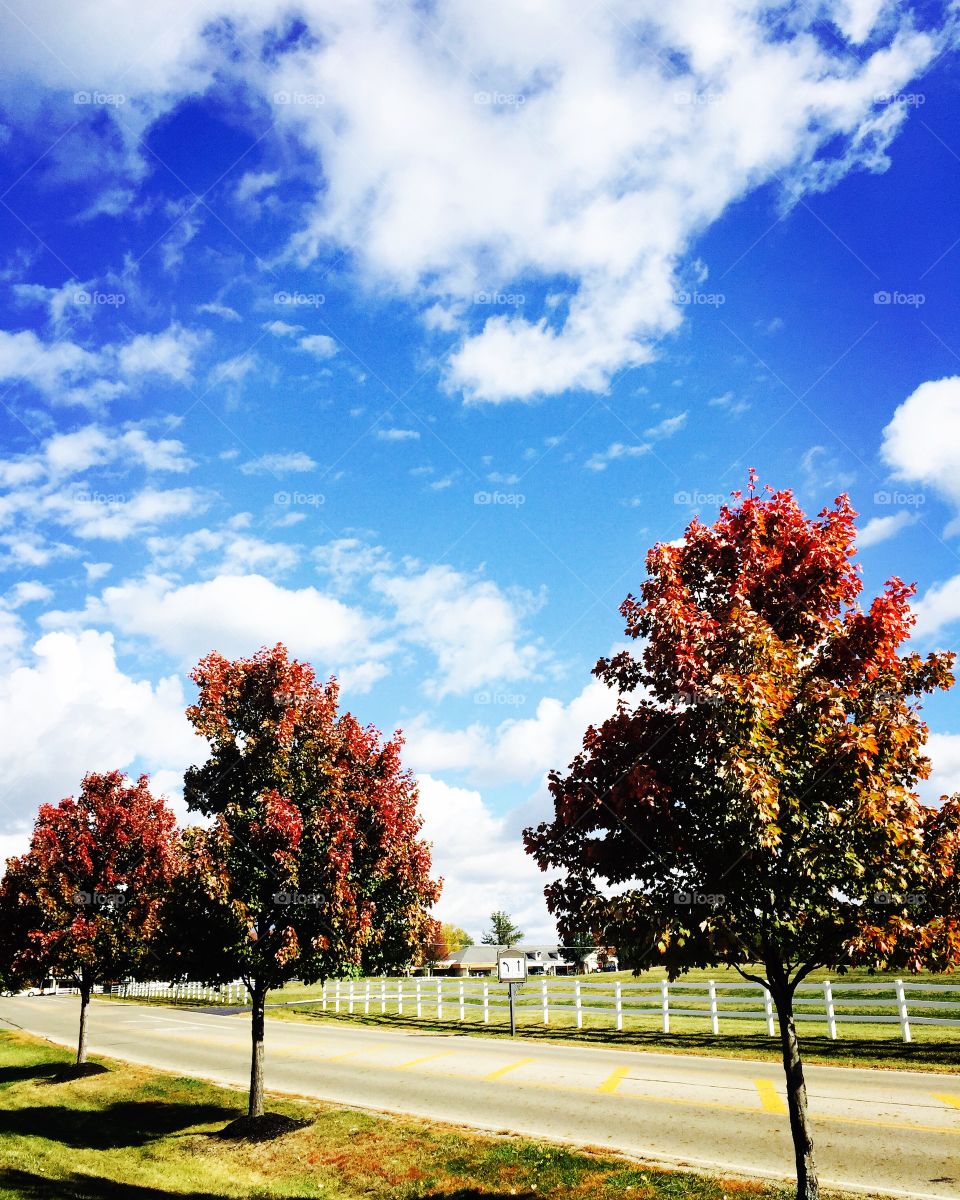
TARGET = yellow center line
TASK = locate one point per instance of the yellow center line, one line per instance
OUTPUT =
(415, 1062)
(612, 1081)
(501, 1071)
(947, 1098)
(770, 1097)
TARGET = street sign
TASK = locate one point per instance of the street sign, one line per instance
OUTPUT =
(511, 966)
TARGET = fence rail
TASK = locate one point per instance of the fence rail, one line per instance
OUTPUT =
(567, 1001)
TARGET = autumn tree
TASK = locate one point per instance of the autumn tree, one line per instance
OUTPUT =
(441, 940)
(85, 900)
(312, 866)
(752, 800)
(502, 931)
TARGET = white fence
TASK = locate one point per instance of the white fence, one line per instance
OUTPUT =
(192, 993)
(567, 1001)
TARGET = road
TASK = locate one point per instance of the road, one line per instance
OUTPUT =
(890, 1132)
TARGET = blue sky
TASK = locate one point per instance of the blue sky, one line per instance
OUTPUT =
(401, 333)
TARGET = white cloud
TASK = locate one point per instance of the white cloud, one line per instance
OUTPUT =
(943, 750)
(922, 440)
(472, 627)
(319, 344)
(398, 435)
(114, 516)
(519, 749)
(28, 591)
(667, 427)
(170, 353)
(699, 103)
(253, 184)
(880, 529)
(234, 370)
(72, 699)
(279, 464)
(234, 614)
(615, 451)
(937, 607)
(282, 328)
(482, 861)
(53, 368)
(216, 309)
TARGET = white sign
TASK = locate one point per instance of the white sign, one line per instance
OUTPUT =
(511, 966)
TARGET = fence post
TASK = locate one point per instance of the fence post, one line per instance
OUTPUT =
(366, 999)
(383, 996)
(439, 999)
(579, 1003)
(831, 1015)
(419, 1003)
(486, 1003)
(768, 1008)
(461, 1000)
(618, 1002)
(902, 1011)
(399, 999)
(336, 1007)
(714, 1015)
(545, 1001)
(350, 999)
(323, 997)
(665, 1005)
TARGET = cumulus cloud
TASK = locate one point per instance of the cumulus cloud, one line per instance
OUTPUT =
(615, 451)
(469, 163)
(938, 607)
(279, 464)
(70, 697)
(922, 441)
(881, 529)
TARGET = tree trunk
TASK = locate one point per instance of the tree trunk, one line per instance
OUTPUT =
(807, 1186)
(85, 989)
(258, 996)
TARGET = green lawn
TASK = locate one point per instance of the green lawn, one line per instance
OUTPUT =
(131, 1133)
(933, 1048)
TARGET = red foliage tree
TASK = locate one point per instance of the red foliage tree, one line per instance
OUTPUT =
(752, 800)
(313, 866)
(85, 900)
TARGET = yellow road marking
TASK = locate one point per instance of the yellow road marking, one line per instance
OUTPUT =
(612, 1081)
(770, 1097)
(947, 1098)
(501, 1071)
(415, 1062)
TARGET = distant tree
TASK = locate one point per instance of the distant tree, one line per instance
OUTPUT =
(502, 931)
(455, 938)
(579, 947)
(84, 902)
(312, 867)
(752, 801)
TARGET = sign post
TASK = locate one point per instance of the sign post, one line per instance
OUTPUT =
(511, 970)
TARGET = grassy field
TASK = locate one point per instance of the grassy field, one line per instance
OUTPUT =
(933, 1048)
(130, 1133)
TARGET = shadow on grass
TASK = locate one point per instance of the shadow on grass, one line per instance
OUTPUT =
(20, 1074)
(77, 1186)
(124, 1124)
(817, 1048)
(70, 1072)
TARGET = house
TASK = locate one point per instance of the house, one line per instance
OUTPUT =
(481, 960)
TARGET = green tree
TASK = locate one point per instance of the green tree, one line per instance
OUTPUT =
(752, 801)
(502, 931)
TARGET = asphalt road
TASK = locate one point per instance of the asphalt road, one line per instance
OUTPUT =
(890, 1132)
